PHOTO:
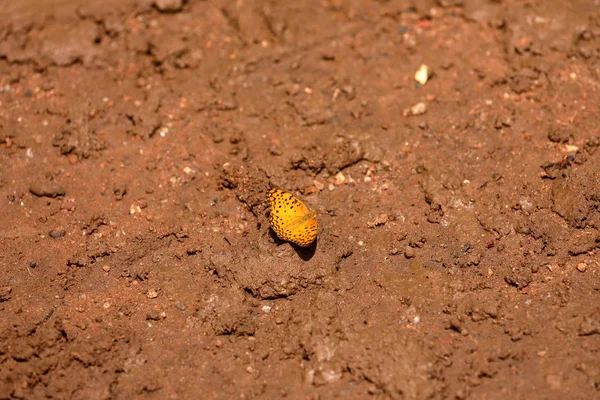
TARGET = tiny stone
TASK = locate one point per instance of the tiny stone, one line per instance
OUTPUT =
(340, 179)
(581, 267)
(409, 252)
(181, 306)
(153, 315)
(535, 268)
(152, 294)
(559, 134)
(418, 109)
(193, 250)
(106, 268)
(46, 189)
(423, 74)
(318, 185)
(382, 219)
(349, 91)
(57, 233)
(168, 5)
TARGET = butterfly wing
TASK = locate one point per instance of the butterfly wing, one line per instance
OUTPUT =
(290, 218)
(306, 232)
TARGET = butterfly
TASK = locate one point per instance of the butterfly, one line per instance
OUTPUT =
(291, 219)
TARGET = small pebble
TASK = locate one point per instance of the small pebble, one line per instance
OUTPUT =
(349, 91)
(318, 185)
(152, 293)
(559, 134)
(423, 74)
(106, 268)
(168, 5)
(382, 219)
(57, 233)
(153, 315)
(409, 252)
(418, 109)
(340, 179)
(581, 267)
(181, 306)
(266, 309)
(46, 189)
(135, 209)
(535, 269)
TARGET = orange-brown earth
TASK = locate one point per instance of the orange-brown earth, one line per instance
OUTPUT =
(458, 251)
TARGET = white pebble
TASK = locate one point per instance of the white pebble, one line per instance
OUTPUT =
(423, 74)
(418, 109)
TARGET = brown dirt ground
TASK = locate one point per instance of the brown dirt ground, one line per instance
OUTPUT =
(458, 252)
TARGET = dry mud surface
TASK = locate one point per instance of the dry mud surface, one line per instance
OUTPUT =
(458, 252)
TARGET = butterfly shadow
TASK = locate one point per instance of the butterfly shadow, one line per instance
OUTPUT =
(305, 253)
